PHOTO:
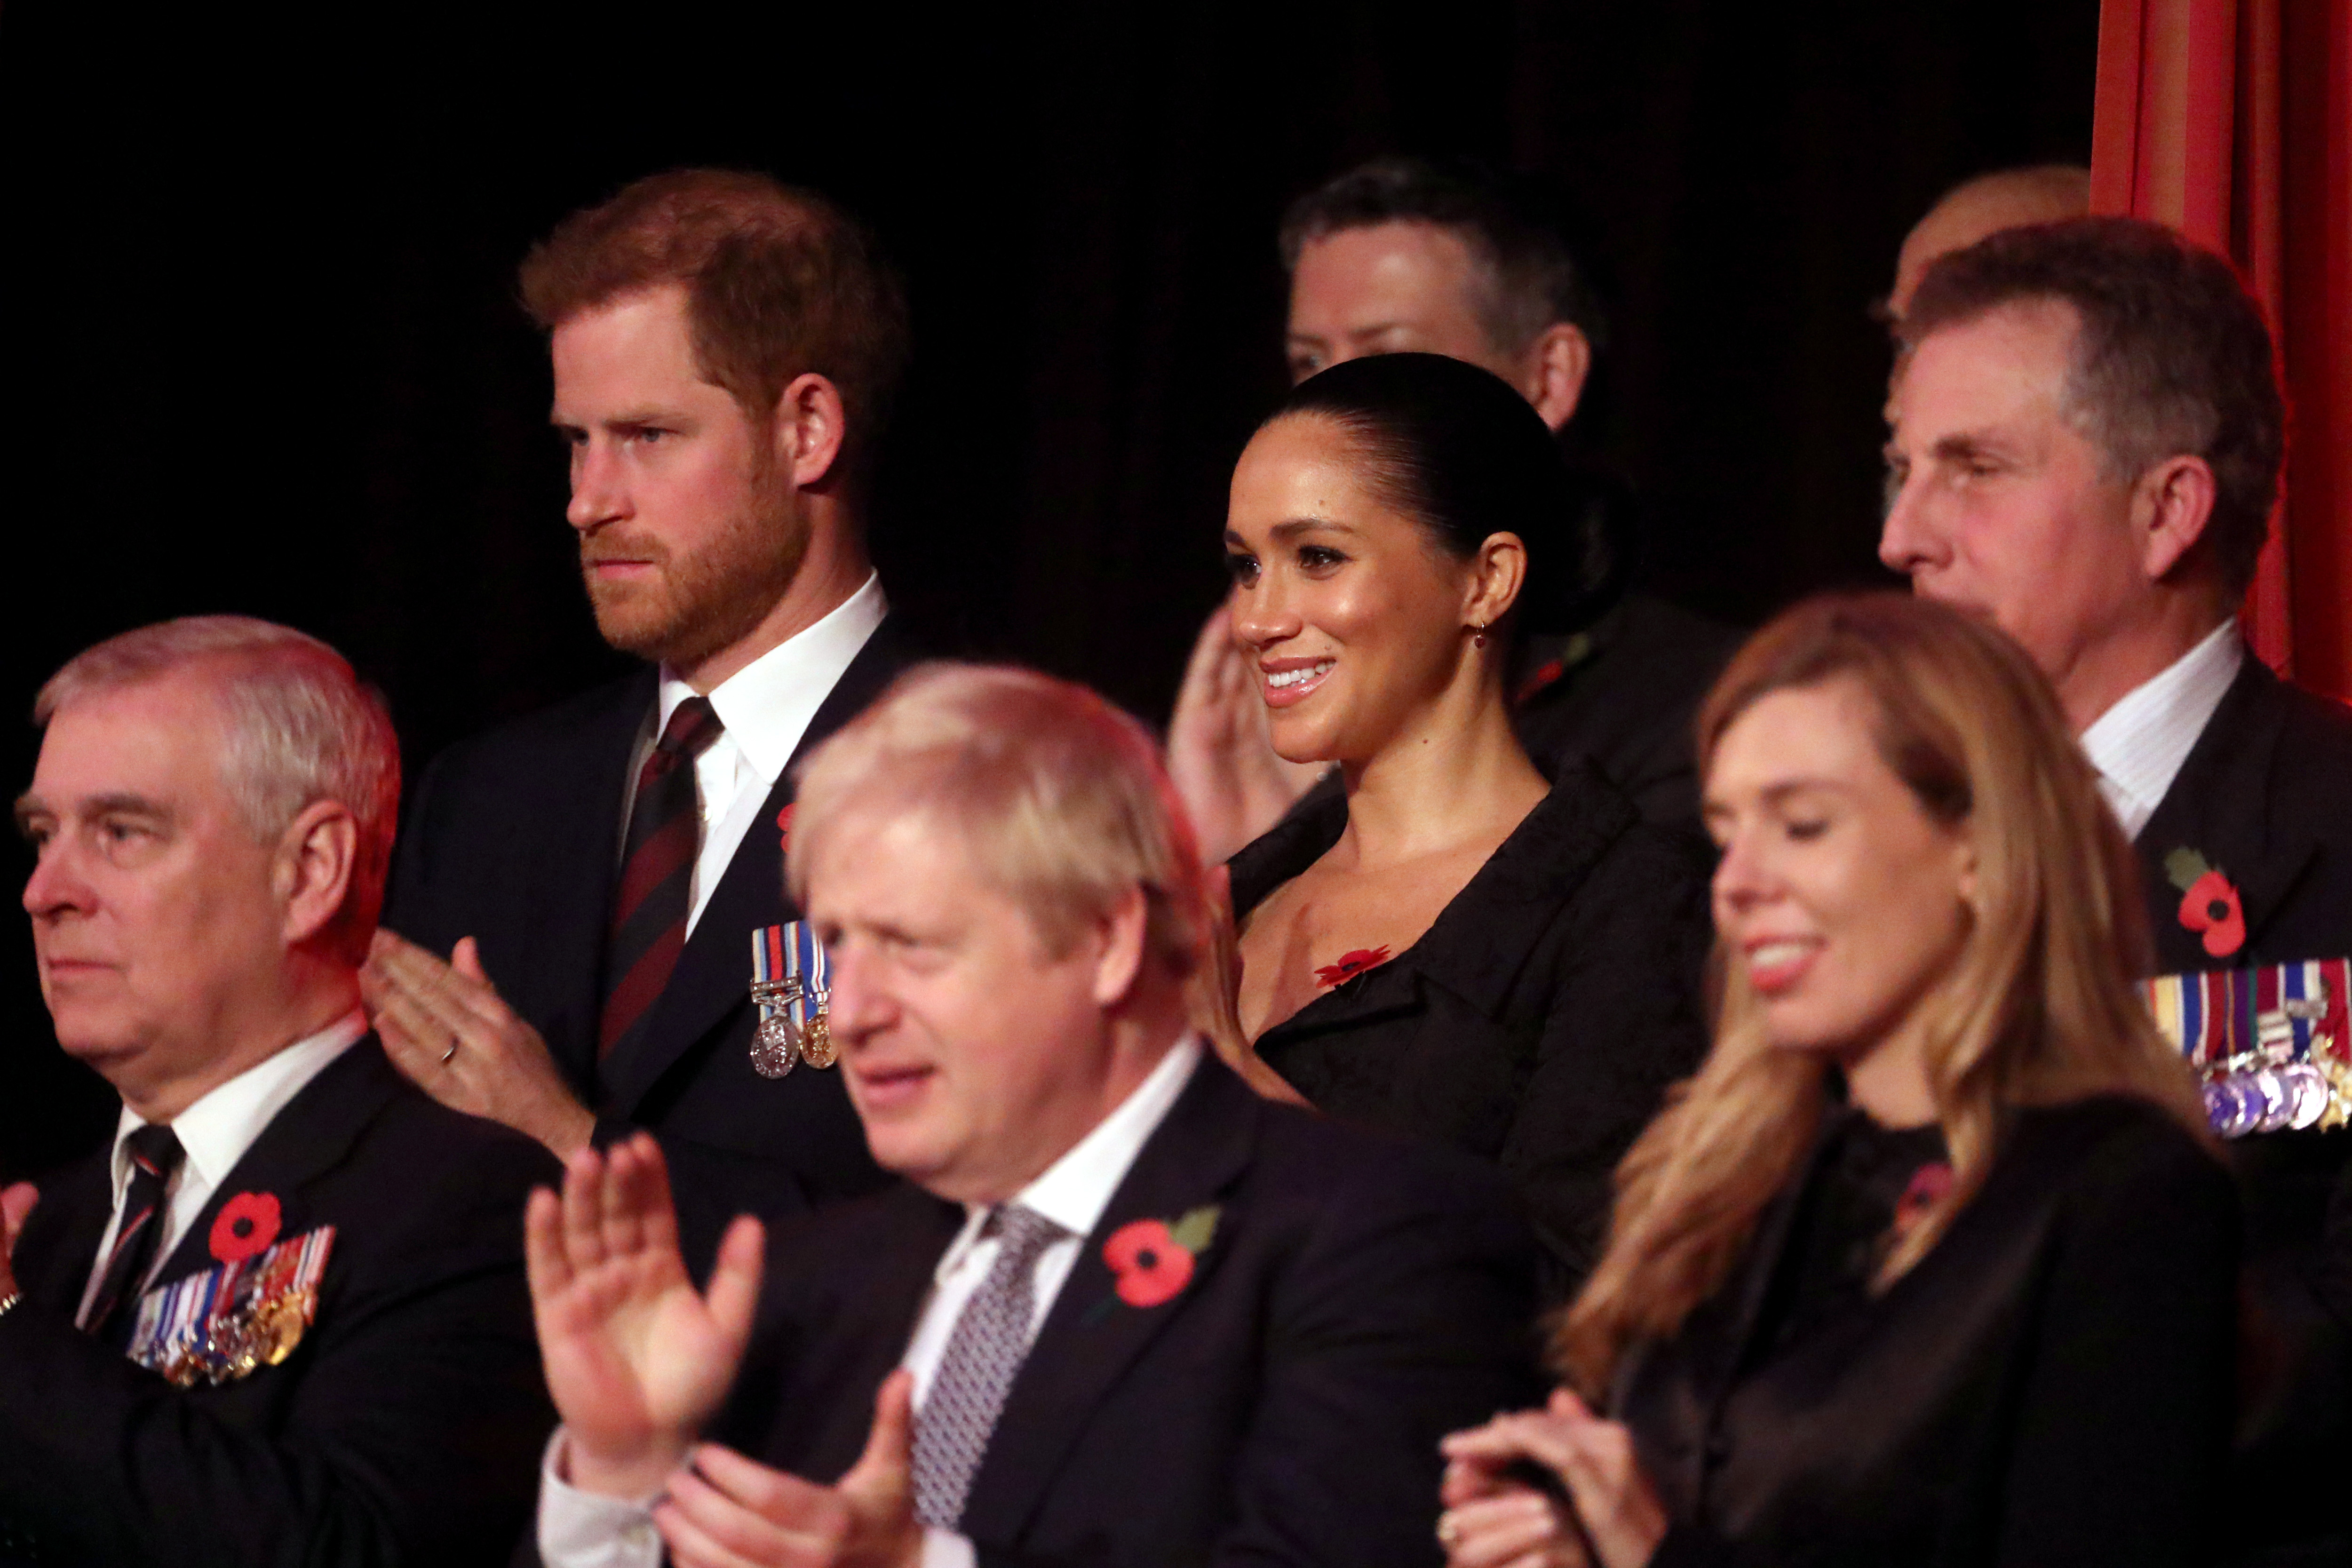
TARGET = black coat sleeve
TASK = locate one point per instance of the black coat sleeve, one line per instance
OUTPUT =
(2124, 1414)
(1623, 1023)
(412, 1436)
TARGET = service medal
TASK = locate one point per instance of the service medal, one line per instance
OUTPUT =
(817, 1040)
(773, 1050)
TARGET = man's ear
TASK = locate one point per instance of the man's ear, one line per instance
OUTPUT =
(311, 873)
(2170, 506)
(1497, 572)
(810, 425)
(1557, 364)
(1119, 952)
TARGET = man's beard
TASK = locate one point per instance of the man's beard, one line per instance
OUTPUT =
(700, 604)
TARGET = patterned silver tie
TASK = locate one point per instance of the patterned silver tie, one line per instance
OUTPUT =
(990, 1341)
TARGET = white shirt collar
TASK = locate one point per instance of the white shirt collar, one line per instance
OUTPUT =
(766, 706)
(2139, 744)
(216, 1130)
(1073, 1190)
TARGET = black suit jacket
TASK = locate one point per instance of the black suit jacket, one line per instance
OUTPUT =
(2050, 1384)
(513, 838)
(1357, 1301)
(2265, 795)
(1626, 699)
(406, 1427)
(1537, 1023)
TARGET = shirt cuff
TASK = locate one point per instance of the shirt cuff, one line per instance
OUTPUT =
(584, 1530)
(946, 1549)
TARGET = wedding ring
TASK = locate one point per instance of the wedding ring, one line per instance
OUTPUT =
(450, 1052)
(1449, 1531)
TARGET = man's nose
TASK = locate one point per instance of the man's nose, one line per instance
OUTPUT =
(599, 494)
(1908, 539)
(858, 1000)
(55, 884)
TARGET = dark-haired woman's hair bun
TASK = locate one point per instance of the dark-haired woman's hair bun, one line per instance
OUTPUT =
(1456, 448)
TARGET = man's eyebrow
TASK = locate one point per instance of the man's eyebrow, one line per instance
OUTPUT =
(1965, 444)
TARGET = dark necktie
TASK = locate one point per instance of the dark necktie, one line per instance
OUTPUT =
(648, 930)
(154, 1154)
(990, 1341)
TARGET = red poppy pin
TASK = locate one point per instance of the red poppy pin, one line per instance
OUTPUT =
(1926, 1188)
(784, 827)
(1153, 1259)
(247, 1225)
(1351, 964)
(2208, 902)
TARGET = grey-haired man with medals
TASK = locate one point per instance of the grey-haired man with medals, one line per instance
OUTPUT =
(282, 1316)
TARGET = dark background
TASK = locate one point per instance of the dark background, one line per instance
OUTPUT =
(261, 354)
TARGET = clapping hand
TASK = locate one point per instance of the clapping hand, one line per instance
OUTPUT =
(446, 1028)
(1494, 1521)
(729, 1511)
(636, 1359)
(15, 1205)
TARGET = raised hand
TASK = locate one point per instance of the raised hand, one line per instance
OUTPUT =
(15, 1205)
(446, 1028)
(1492, 1518)
(729, 1511)
(1234, 785)
(636, 1359)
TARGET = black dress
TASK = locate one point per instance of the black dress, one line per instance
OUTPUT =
(1537, 1023)
(2051, 1383)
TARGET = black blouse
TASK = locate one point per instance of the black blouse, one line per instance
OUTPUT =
(2051, 1383)
(1537, 1023)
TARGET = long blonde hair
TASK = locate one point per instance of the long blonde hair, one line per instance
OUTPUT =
(2038, 1008)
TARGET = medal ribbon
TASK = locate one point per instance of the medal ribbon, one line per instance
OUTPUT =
(807, 962)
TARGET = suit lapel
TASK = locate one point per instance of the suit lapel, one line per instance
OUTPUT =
(712, 980)
(1090, 1337)
(575, 890)
(313, 1132)
(2219, 806)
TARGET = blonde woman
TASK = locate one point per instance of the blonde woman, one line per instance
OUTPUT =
(1932, 1261)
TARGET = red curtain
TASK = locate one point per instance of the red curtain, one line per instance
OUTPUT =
(2232, 120)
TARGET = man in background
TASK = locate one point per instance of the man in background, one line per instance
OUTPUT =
(580, 895)
(2087, 440)
(1120, 1310)
(282, 1316)
(1405, 253)
(1981, 205)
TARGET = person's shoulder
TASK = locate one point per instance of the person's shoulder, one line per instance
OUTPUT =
(2315, 735)
(439, 1146)
(1651, 628)
(2115, 1147)
(1589, 831)
(561, 729)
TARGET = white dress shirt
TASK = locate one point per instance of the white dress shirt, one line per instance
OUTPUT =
(766, 707)
(215, 1133)
(2138, 746)
(580, 1529)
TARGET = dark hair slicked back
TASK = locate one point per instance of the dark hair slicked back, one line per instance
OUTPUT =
(1517, 228)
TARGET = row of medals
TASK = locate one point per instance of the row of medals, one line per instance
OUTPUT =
(780, 1043)
(2262, 1091)
(231, 1347)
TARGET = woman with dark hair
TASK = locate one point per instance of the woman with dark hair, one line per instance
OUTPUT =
(1449, 945)
(1932, 1262)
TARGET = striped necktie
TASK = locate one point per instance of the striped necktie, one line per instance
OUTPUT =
(155, 1153)
(990, 1341)
(648, 928)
